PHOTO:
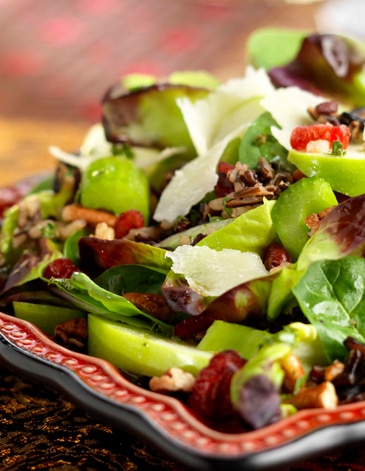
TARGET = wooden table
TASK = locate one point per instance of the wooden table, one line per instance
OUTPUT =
(24, 145)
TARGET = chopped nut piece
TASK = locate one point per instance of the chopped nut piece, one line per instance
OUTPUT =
(325, 109)
(357, 132)
(333, 370)
(18, 239)
(250, 188)
(235, 212)
(105, 232)
(216, 205)
(320, 396)
(91, 216)
(293, 370)
(29, 208)
(175, 379)
(72, 333)
(312, 221)
(65, 230)
(275, 256)
(144, 234)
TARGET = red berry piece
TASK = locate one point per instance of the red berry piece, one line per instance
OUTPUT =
(223, 186)
(8, 197)
(275, 255)
(60, 268)
(302, 135)
(191, 327)
(126, 221)
(211, 392)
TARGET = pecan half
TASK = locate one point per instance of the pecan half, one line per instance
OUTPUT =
(173, 380)
(71, 212)
(313, 221)
(72, 333)
(322, 395)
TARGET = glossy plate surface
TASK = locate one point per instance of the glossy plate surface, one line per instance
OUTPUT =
(164, 422)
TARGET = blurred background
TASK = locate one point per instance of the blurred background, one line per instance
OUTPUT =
(57, 58)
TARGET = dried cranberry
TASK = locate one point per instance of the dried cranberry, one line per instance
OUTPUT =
(302, 135)
(60, 268)
(211, 392)
(225, 167)
(275, 255)
(8, 197)
(126, 221)
(223, 186)
(191, 327)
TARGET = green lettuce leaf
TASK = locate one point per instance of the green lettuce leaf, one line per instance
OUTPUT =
(85, 294)
(258, 141)
(132, 278)
(251, 232)
(331, 294)
(273, 47)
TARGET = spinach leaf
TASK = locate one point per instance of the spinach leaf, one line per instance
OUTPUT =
(71, 246)
(258, 141)
(273, 47)
(127, 278)
(331, 294)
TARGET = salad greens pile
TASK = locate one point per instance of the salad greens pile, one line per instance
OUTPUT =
(156, 233)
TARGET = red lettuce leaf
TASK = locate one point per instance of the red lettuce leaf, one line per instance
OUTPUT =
(326, 64)
(97, 255)
(149, 116)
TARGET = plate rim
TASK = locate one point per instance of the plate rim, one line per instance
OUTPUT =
(163, 420)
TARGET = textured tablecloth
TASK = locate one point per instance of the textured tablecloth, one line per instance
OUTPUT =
(41, 430)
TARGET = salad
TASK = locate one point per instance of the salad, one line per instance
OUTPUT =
(208, 238)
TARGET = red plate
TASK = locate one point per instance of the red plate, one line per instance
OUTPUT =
(166, 423)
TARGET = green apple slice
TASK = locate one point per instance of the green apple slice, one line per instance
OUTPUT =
(141, 352)
(115, 184)
(345, 174)
(45, 317)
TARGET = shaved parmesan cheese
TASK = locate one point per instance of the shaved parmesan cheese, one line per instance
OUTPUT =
(212, 123)
(144, 157)
(211, 272)
(95, 146)
(289, 107)
(210, 119)
(95, 143)
(191, 183)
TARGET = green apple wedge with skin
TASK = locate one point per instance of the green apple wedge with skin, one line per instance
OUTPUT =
(115, 184)
(141, 352)
(46, 317)
(345, 174)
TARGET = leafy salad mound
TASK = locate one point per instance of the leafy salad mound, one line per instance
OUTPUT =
(209, 237)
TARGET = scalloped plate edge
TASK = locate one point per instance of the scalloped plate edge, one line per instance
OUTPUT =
(98, 387)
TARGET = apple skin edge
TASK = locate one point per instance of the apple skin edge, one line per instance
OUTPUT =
(345, 174)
